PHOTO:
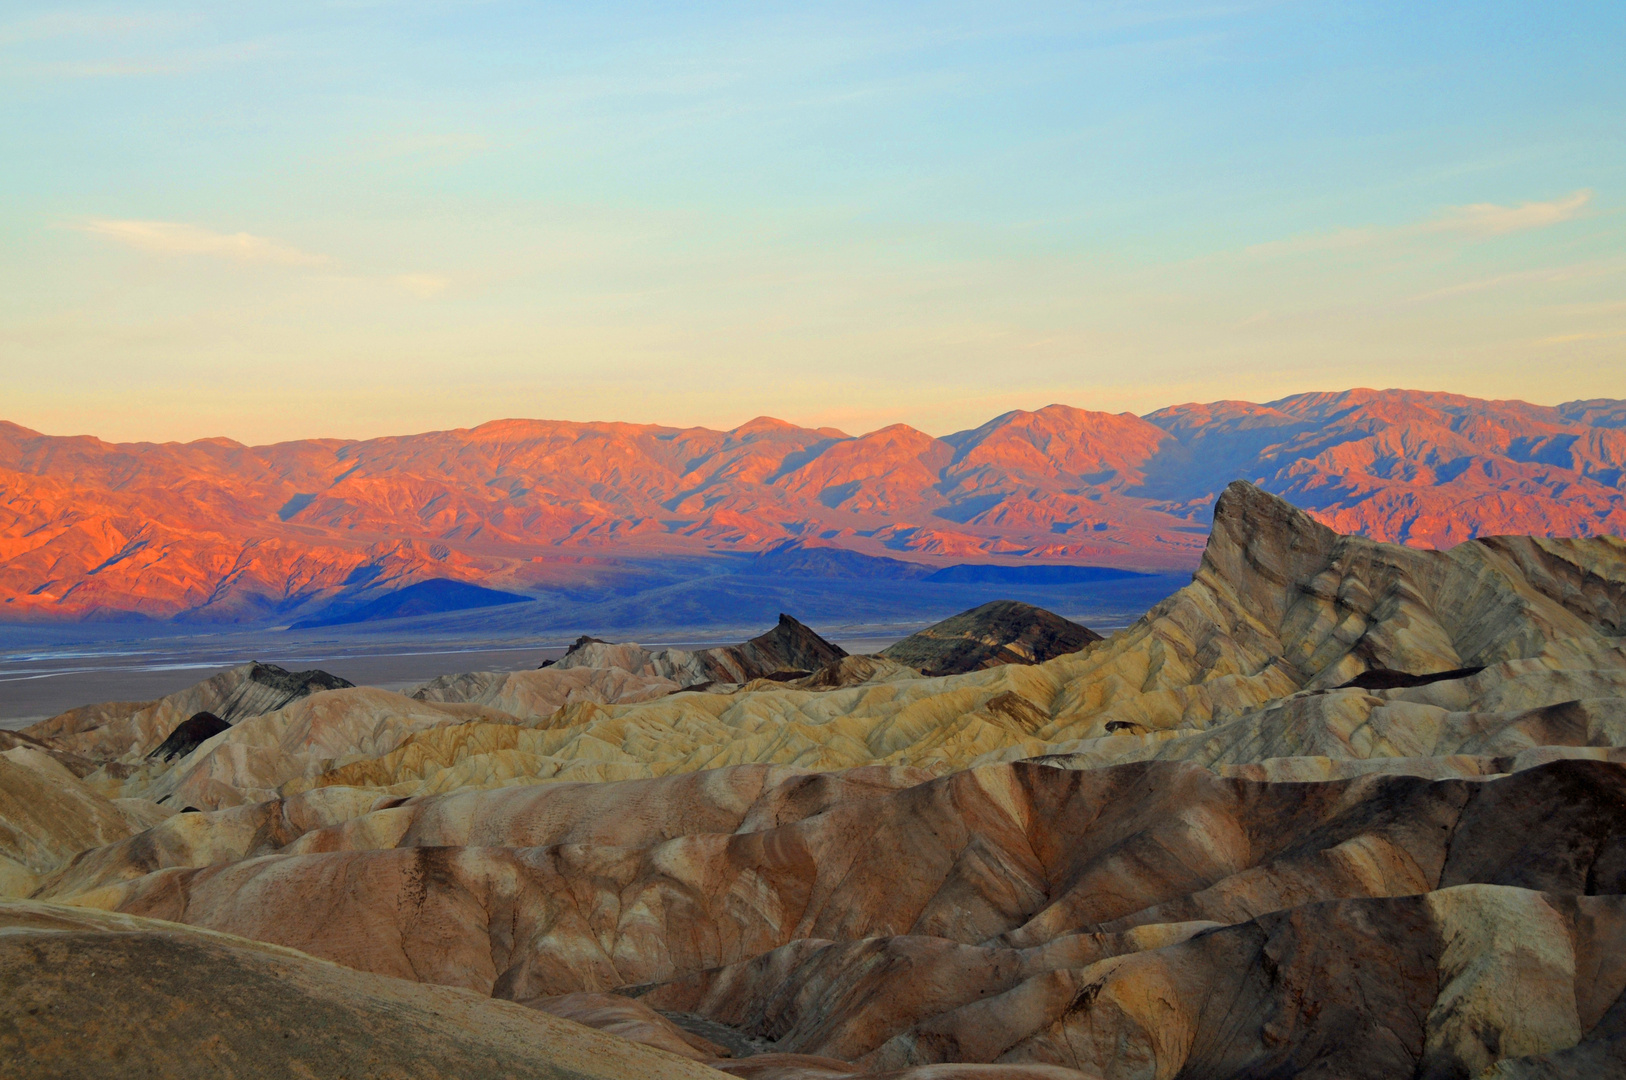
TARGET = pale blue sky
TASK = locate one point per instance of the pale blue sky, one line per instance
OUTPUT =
(280, 220)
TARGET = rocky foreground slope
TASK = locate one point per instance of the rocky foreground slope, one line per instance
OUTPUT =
(88, 994)
(1337, 808)
(321, 529)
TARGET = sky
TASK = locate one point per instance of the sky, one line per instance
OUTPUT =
(270, 221)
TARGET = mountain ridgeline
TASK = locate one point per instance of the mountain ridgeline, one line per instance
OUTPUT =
(333, 532)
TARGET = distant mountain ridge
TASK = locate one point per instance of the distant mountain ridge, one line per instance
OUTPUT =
(214, 530)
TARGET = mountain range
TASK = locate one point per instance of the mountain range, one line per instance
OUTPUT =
(217, 531)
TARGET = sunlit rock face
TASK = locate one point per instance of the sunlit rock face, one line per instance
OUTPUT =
(1338, 807)
(216, 531)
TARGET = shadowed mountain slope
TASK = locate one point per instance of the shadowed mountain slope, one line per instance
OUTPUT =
(423, 598)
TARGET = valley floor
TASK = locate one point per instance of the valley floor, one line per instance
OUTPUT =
(47, 669)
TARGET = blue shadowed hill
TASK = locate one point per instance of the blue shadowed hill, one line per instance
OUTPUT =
(432, 597)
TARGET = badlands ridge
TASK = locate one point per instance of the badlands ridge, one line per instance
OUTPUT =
(1338, 808)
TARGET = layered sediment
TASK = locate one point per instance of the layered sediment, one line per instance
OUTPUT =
(1338, 807)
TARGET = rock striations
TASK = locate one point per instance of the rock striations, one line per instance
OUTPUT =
(118, 729)
(789, 649)
(1336, 808)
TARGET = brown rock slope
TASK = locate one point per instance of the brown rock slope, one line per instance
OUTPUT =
(87, 994)
(603, 672)
(133, 729)
(258, 757)
(1150, 915)
(999, 632)
(47, 815)
(539, 694)
(790, 648)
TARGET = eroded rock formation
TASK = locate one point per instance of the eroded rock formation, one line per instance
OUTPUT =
(788, 650)
(999, 632)
(1338, 807)
(133, 729)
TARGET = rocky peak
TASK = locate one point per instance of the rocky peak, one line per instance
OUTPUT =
(1259, 548)
(267, 687)
(790, 646)
(1280, 595)
(998, 632)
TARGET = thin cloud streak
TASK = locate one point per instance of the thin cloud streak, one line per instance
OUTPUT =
(1489, 219)
(1475, 219)
(178, 238)
(1570, 339)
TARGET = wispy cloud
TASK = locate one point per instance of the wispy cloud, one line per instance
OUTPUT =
(1570, 339)
(423, 285)
(1523, 277)
(1475, 219)
(1580, 271)
(1489, 219)
(178, 238)
(80, 45)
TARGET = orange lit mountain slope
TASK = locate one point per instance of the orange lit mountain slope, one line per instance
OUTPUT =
(221, 531)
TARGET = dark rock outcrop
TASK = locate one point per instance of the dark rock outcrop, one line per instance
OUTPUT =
(1384, 679)
(190, 734)
(999, 632)
(269, 687)
(788, 647)
(575, 646)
